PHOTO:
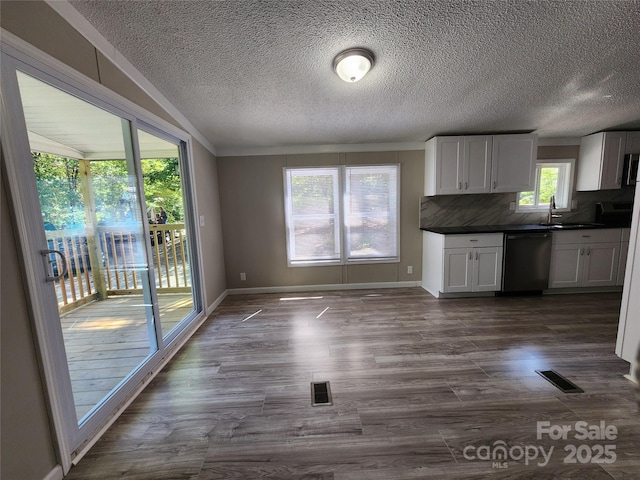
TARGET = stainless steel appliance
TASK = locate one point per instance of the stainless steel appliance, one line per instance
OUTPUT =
(630, 172)
(527, 257)
(614, 214)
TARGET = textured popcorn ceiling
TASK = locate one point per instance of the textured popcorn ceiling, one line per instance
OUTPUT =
(259, 73)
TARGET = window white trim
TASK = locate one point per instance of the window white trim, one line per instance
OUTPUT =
(564, 187)
(392, 213)
(294, 258)
(340, 215)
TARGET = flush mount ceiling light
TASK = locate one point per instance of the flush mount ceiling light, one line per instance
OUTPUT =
(353, 64)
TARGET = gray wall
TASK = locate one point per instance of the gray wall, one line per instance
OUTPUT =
(253, 225)
(493, 208)
(27, 444)
(208, 204)
(26, 441)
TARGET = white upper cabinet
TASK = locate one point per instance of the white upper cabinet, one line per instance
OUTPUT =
(513, 163)
(444, 165)
(477, 164)
(601, 161)
(632, 145)
(472, 164)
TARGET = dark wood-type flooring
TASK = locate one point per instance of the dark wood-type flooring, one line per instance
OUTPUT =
(416, 383)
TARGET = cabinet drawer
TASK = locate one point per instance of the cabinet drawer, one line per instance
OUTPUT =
(587, 236)
(470, 240)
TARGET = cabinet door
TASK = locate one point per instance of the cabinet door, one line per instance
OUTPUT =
(487, 269)
(513, 163)
(457, 266)
(622, 263)
(601, 264)
(477, 164)
(566, 265)
(632, 145)
(449, 161)
(612, 160)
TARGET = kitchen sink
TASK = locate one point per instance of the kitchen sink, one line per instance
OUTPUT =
(572, 225)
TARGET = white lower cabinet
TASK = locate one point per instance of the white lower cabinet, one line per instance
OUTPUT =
(462, 263)
(585, 258)
(472, 269)
(624, 252)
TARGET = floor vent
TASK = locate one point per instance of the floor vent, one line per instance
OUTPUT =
(320, 394)
(559, 381)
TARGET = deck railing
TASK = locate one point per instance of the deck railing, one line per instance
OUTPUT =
(112, 262)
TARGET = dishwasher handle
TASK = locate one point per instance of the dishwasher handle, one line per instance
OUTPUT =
(517, 236)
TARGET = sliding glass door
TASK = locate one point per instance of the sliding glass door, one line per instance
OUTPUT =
(103, 207)
(163, 173)
(97, 250)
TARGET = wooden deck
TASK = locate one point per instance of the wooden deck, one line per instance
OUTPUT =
(106, 340)
(117, 266)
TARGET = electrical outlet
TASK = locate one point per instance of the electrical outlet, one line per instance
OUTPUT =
(202, 220)
(512, 206)
(243, 276)
(410, 269)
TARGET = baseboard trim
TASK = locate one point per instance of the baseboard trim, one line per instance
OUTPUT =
(324, 287)
(210, 309)
(54, 474)
(465, 295)
(560, 291)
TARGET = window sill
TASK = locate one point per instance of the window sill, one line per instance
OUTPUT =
(540, 210)
(329, 263)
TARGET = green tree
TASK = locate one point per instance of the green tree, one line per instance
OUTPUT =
(61, 199)
(163, 186)
(548, 184)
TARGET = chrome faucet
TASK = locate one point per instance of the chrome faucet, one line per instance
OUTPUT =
(552, 207)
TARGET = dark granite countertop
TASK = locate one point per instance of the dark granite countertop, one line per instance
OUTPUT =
(514, 228)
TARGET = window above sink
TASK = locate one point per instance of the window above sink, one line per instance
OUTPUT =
(553, 177)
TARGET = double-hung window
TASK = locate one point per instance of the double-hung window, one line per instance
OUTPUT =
(312, 200)
(337, 215)
(553, 178)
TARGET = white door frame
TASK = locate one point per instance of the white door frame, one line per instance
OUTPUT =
(71, 439)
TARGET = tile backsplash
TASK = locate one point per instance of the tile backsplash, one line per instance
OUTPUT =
(493, 209)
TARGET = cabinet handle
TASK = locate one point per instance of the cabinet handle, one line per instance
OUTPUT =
(619, 180)
(582, 251)
(470, 255)
(466, 185)
(476, 256)
(494, 184)
(459, 185)
(588, 251)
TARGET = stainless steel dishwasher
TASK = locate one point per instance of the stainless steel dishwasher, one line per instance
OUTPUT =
(527, 257)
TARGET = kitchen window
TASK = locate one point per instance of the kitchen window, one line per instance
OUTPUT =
(553, 177)
(338, 215)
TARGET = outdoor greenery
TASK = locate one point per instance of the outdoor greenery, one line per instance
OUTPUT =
(312, 194)
(60, 189)
(548, 185)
